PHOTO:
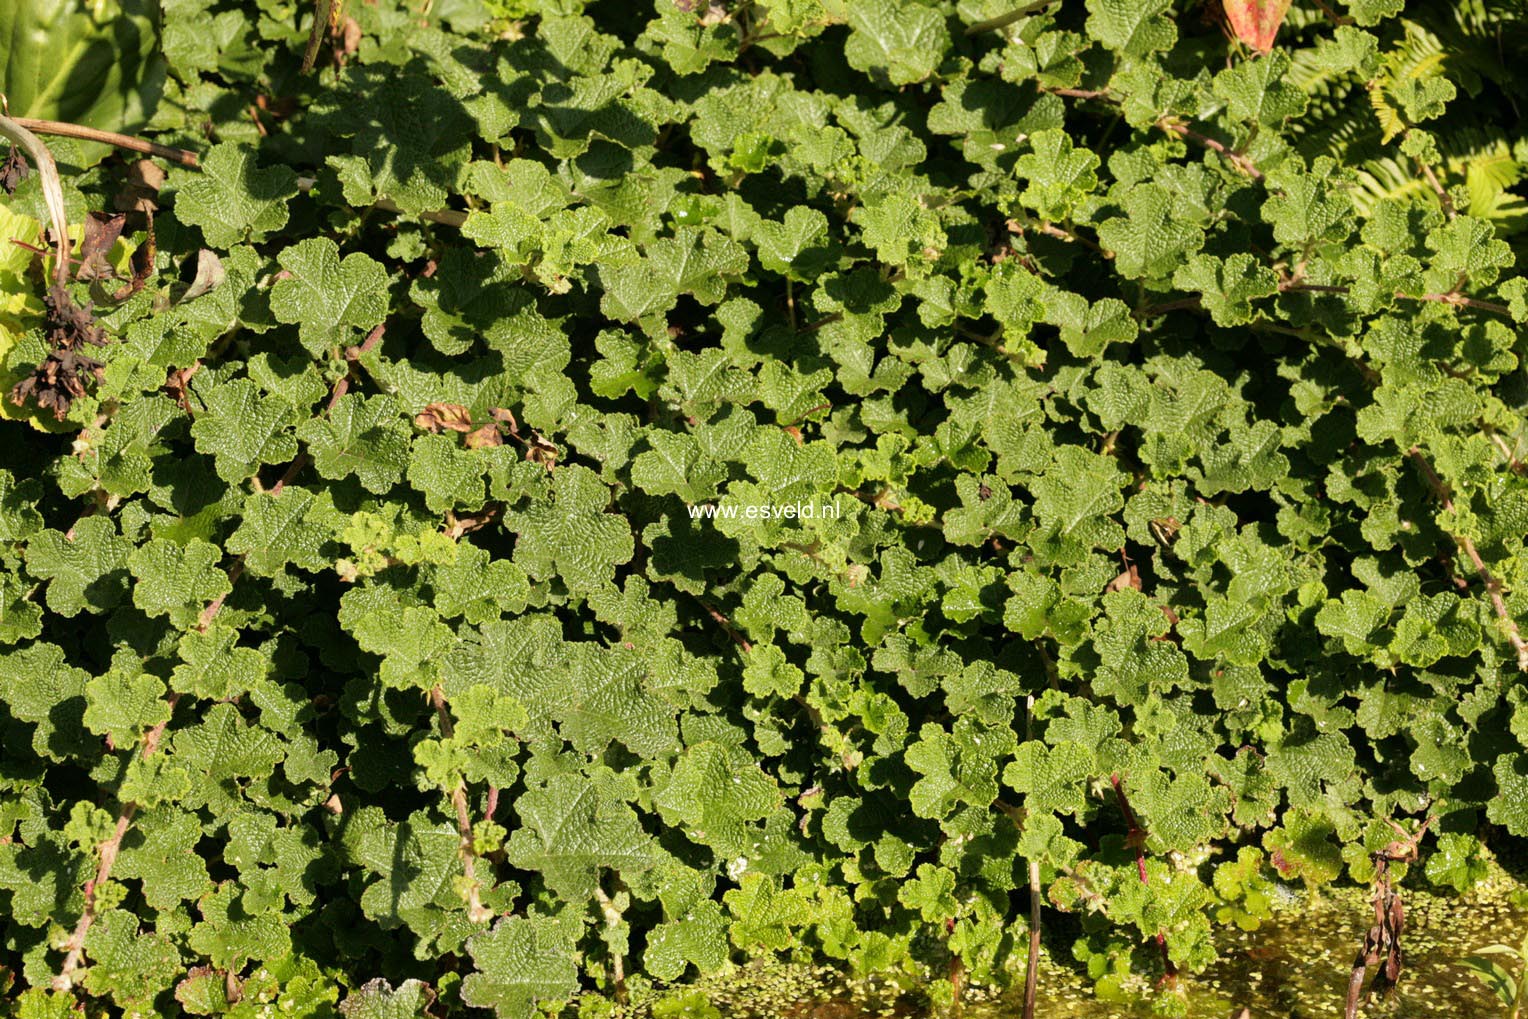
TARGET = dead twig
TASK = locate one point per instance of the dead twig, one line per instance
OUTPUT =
(61, 129)
(52, 190)
(321, 14)
(1382, 943)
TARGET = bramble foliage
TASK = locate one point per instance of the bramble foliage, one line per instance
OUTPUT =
(367, 645)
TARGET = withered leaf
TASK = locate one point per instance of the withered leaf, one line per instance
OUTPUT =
(438, 417)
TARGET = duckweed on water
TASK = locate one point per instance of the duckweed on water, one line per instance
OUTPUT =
(1296, 965)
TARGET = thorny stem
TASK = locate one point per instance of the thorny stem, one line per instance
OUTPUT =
(293, 469)
(476, 911)
(1293, 286)
(1337, 19)
(812, 327)
(1080, 93)
(1462, 301)
(1062, 234)
(742, 642)
(52, 190)
(1180, 304)
(1051, 676)
(1467, 546)
(341, 387)
(205, 619)
(121, 141)
(321, 14)
(807, 413)
(1513, 463)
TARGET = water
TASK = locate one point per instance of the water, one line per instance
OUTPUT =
(1295, 966)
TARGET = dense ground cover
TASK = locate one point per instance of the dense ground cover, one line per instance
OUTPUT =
(390, 619)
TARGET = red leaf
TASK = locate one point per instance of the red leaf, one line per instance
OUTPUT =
(1256, 22)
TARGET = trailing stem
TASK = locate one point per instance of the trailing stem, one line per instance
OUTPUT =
(1032, 964)
(1236, 159)
(1004, 20)
(1136, 838)
(476, 911)
(957, 969)
(1465, 545)
(617, 959)
(74, 948)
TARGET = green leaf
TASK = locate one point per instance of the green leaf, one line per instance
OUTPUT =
(571, 831)
(86, 569)
(715, 794)
(232, 200)
(330, 299)
(1308, 206)
(767, 672)
(19, 518)
(1129, 28)
(1256, 91)
(378, 999)
(958, 767)
(698, 937)
(361, 435)
(695, 262)
(128, 965)
(899, 44)
(213, 666)
(569, 535)
(244, 428)
(124, 708)
(177, 580)
(764, 915)
(1053, 779)
(1057, 175)
(800, 247)
(1229, 286)
(520, 963)
(291, 527)
(96, 67)
(1507, 807)
(1150, 240)
(448, 475)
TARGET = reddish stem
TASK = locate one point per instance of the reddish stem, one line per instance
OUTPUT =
(1137, 838)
